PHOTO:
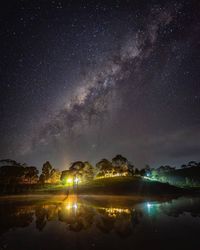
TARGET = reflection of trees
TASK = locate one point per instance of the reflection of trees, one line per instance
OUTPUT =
(41, 218)
(76, 216)
(178, 207)
(81, 216)
(105, 223)
(45, 213)
(136, 217)
(118, 220)
(15, 217)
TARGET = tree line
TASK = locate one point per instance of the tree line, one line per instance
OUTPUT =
(188, 175)
(14, 172)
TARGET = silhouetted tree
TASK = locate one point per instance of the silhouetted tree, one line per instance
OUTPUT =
(88, 171)
(120, 164)
(31, 174)
(9, 162)
(42, 179)
(104, 167)
(184, 166)
(65, 174)
(143, 172)
(192, 164)
(131, 168)
(76, 169)
(11, 173)
(54, 176)
(46, 170)
(119, 161)
(165, 169)
(137, 172)
(79, 169)
(77, 165)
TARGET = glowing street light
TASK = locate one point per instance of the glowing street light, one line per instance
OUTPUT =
(68, 206)
(76, 180)
(75, 206)
(149, 205)
(148, 174)
(69, 180)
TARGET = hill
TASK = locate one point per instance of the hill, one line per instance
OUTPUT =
(128, 186)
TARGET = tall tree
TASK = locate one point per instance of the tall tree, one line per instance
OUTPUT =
(131, 168)
(54, 176)
(119, 161)
(120, 164)
(11, 174)
(46, 170)
(88, 171)
(42, 179)
(104, 167)
(31, 173)
(77, 169)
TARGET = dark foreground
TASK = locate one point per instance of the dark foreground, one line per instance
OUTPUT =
(98, 222)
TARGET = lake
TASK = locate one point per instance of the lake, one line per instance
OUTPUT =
(92, 222)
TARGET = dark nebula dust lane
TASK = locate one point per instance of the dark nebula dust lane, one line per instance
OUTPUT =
(89, 80)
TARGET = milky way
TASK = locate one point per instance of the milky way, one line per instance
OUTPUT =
(131, 86)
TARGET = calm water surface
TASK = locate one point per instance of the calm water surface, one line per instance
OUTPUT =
(58, 222)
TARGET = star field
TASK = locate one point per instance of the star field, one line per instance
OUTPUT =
(91, 79)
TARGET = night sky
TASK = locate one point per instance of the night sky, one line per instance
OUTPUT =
(88, 80)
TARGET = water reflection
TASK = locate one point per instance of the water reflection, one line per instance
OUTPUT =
(79, 215)
(15, 217)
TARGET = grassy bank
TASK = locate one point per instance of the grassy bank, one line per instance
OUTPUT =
(127, 186)
(107, 186)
